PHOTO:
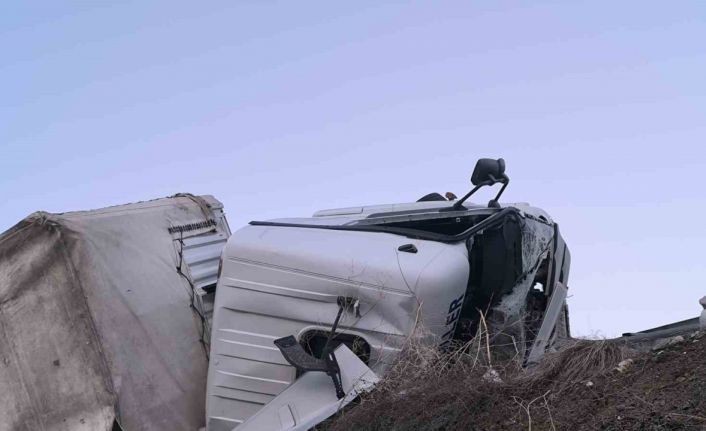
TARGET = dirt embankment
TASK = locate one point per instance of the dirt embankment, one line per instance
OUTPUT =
(590, 385)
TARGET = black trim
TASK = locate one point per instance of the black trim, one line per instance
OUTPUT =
(192, 226)
(490, 221)
(408, 248)
(295, 354)
(432, 197)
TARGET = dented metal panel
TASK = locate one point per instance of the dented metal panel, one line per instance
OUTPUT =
(551, 317)
(202, 254)
(312, 398)
(200, 257)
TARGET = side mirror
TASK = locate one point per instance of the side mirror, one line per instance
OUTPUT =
(488, 172)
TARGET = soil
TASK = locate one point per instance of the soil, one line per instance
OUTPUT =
(658, 390)
(662, 390)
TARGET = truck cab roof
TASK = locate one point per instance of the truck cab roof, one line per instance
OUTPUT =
(404, 212)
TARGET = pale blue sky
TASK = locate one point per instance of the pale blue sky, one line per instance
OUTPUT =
(283, 108)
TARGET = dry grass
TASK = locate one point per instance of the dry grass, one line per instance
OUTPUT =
(578, 361)
(420, 363)
(469, 388)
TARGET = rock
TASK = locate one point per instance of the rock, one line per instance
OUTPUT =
(663, 343)
(492, 376)
(624, 365)
(589, 384)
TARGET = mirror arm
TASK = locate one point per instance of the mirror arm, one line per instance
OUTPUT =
(494, 203)
(459, 203)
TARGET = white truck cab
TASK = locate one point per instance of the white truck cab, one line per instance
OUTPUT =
(296, 296)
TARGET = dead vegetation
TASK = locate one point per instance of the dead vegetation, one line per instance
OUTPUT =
(587, 385)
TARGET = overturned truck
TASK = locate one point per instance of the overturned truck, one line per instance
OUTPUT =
(310, 311)
(152, 316)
